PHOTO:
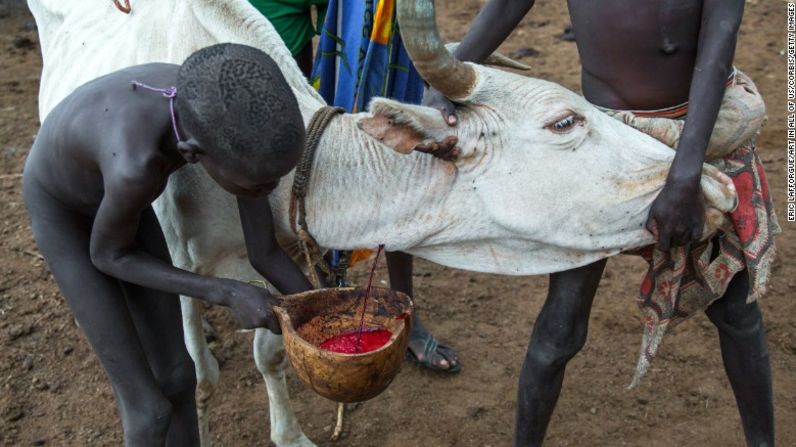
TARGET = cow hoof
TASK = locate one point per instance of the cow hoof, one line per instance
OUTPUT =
(302, 441)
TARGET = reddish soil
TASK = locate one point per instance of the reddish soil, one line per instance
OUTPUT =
(53, 391)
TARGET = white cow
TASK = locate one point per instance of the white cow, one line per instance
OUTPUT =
(545, 181)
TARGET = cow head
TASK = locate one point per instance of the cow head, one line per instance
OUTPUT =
(541, 159)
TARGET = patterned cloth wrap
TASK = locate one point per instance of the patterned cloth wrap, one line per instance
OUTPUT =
(360, 55)
(684, 282)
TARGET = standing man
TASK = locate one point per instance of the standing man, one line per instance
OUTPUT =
(654, 59)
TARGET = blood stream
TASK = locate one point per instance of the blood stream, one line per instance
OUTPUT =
(360, 340)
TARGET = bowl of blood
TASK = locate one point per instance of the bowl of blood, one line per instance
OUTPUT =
(345, 344)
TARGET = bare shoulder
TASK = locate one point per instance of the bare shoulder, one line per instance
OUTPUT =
(109, 108)
(107, 140)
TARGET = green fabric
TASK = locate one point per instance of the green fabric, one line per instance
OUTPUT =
(292, 20)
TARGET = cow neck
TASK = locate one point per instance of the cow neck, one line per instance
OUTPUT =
(363, 193)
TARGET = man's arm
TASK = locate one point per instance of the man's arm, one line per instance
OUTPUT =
(114, 252)
(265, 254)
(490, 28)
(678, 211)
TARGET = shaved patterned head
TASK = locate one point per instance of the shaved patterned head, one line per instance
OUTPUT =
(236, 102)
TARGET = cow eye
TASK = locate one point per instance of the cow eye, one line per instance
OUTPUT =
(564, 124)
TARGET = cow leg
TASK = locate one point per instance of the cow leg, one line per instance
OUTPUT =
(204, 362)
(558, 334)
(269, 355)
(744, 351)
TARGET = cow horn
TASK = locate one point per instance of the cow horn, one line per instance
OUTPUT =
(452, 77)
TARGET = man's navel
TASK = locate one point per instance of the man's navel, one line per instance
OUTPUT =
(668, 47)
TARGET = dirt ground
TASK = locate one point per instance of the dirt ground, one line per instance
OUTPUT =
(53, 391)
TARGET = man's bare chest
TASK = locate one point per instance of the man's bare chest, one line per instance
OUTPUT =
(651, 28)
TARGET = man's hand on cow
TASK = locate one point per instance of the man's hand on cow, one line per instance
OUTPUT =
(435, 99)
(678, 214)
(252, 306)
(445, 149)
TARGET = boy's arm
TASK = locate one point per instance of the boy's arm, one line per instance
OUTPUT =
(679, 209)
(265, 254)
(490, 28)
(114, 251)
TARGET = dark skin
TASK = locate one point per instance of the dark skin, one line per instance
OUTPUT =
(100, 159)
(443, 358)
(640, 56)
(304, 60)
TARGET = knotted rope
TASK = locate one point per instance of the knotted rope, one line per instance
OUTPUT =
(298, 212)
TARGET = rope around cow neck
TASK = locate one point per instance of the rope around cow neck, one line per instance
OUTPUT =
(298, 212)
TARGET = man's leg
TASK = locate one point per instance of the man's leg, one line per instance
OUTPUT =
(422, 345)
(558, 334)
(745, 353)
(158, 320)
(304, 60)
(99, 305)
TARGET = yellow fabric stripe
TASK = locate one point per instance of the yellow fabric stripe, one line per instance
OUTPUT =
(382, 22)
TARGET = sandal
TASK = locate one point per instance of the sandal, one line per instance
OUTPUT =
(431, 346)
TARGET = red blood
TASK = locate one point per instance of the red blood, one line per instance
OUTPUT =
(360, 341)
(346, 343)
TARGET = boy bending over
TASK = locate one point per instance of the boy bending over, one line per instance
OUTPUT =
(102, 156)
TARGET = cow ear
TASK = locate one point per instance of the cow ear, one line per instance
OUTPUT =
(403, 126)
